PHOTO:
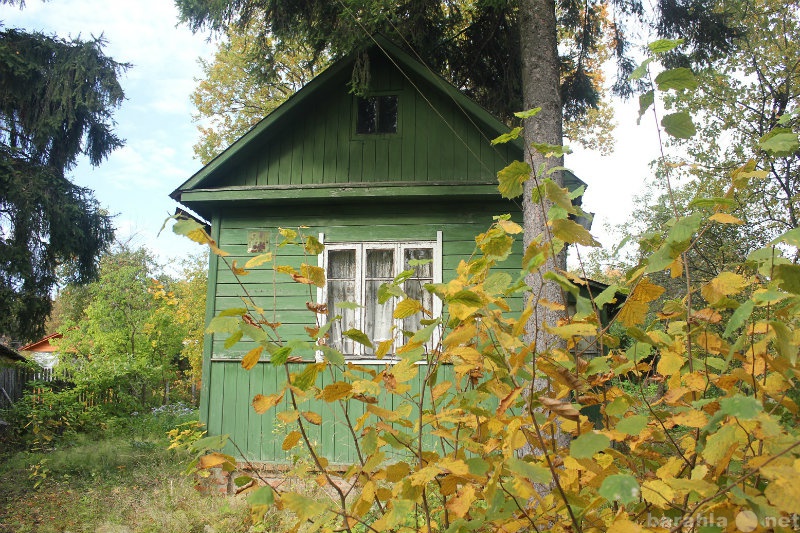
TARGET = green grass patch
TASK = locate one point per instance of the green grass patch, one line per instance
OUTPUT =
(121, 481)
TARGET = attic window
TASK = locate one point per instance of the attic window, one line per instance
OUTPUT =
(377, 114)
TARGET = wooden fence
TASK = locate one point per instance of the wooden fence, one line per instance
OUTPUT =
(13, 380)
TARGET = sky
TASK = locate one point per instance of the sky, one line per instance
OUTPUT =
(156, 121)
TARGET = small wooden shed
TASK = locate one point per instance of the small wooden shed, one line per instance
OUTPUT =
(405, 172)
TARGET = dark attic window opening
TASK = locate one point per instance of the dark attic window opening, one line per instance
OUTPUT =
(377, 114)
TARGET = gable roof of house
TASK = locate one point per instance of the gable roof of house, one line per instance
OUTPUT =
(9, 354)
(203, 185)
(43, 344)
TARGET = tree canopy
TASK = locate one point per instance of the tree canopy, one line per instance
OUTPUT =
(56, 103)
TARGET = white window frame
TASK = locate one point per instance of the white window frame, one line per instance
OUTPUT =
(360, 352)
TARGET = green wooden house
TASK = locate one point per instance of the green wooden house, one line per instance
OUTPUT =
(405, 172)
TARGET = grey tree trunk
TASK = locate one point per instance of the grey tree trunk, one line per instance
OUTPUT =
(540, 88)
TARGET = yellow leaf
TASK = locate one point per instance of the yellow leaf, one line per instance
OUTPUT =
(570, 231)
(440, 389)
(251, 358)
(635, 308)
(579, 329)
(692, 419)
(460, 505)
(407, 308)
(454, 466)
(258, 260)
(424, 475)
(726, 284)
(287, 417)
(336, 391)
(238, 270)
(262, 403)
(404, 371)
(725, 218)
(315, 274)
(669, 363)
(658, 493)
(512, 228)
(213, 459)
(291, 440)
(312, 417)
(383, 348)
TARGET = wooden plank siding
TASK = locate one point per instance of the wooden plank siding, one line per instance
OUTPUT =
(435, 141)
(259, 438)
(228, 389)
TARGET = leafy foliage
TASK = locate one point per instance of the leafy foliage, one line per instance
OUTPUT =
(719, 438)
(238, 90)
(138, 333)
(56, 99)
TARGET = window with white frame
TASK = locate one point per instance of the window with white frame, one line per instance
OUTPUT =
(355, 272)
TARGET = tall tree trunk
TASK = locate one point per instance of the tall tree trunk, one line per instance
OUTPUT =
(540, 88)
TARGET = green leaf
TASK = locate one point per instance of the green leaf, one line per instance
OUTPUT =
(559, 196)
(223, 324)
(620, 487)
(506, 137)
(313, 246)
(788, 277)
(739, 317)
(744, 407)
(528, 114)
(588, 444)
(679, 125)
(570, 231)
(262, 496)
(791, 237)
(664, 45)
(617, 407)
(279, 356)
(387, 290)
(334, 356)
(497, 282)
(713, 202)
(254, 332)
(423, 335)
(534, 473)
(306, 378)
(358, 336)
(304, 507)
(645, 101)
(632, 425)
(640, 71)
(784, 341)
(477, 466)
(780, 142)
(685, 228)
(233, 339)
(551, 150)
(677, 78)
(466, 297)
(511, 179)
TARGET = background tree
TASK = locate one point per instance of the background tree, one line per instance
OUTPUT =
(236, 92)
(746, 103)
(132, 334)
(743, 96)
(56, 100)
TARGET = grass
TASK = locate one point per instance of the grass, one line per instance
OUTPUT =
(121, 480)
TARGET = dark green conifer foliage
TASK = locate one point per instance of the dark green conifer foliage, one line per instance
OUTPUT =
(476, 44)
(56, 99)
